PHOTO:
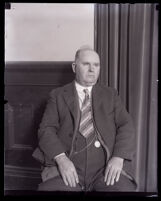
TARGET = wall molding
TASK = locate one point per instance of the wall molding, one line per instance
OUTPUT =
(9, 111)
(27, 88)
(37, 73)
(18, 171)
(21, 178)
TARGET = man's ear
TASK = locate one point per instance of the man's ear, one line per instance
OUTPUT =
(73, 66)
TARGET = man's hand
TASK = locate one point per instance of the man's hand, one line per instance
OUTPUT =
(113, 170)
(67, 170)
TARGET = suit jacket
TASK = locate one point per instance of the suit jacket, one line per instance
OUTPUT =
(61, 120)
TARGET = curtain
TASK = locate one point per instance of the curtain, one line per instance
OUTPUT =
(127, 42)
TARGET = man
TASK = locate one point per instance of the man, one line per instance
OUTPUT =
(86, 137)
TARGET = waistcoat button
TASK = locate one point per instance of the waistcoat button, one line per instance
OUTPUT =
(97, 144)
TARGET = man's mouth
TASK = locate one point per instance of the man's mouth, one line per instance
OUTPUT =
(91, 75)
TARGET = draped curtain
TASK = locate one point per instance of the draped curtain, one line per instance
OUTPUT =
(127, 42)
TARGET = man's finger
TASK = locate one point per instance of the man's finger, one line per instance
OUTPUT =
(69, 180)
(106, 173)
(109, 176)
(65, 180)
(73, 180)
(76, 176)
(113, 176)
(118, 175)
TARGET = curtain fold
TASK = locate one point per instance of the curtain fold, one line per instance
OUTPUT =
(127, 42)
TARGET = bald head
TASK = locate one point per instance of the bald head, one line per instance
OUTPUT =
(82, 51)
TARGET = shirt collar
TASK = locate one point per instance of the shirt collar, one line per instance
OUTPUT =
(80, 88)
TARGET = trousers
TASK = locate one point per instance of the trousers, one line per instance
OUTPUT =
(89, 162)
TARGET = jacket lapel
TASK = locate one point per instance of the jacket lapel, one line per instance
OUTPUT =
(71, 99)
(97, 97)
(100, 102)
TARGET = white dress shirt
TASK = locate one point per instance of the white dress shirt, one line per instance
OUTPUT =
(81, 94)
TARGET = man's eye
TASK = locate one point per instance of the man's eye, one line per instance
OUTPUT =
(96, 65)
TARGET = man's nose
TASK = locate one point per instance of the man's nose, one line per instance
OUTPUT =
(91, 67)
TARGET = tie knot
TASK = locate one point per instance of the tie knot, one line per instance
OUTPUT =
(86, 92)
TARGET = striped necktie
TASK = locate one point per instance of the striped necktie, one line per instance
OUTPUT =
(86, 127)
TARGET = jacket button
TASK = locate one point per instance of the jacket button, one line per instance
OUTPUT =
(70, 135)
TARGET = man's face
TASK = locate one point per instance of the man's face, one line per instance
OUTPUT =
(87, 68)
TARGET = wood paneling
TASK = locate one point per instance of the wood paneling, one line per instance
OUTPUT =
(38, 73)
(19, 136)
(27, 87)
(21, 178)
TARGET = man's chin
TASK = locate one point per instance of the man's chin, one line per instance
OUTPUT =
(90, 83)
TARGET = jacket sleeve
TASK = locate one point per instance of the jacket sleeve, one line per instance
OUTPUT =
(49, 141)
(125, 134)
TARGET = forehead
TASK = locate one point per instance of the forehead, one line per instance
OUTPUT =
(88, 55)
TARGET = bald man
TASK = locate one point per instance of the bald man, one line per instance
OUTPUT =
(86, 137)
